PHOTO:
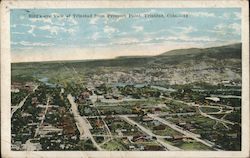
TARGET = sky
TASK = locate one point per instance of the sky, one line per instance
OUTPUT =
(100, 33)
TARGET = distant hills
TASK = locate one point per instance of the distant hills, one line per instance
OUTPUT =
(175, 56)
(233, 48)
(227, 51)
(179, 66)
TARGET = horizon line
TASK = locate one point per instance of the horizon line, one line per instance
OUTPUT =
(116, 57)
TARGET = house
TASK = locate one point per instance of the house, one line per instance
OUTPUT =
(156, 123)
(182, 123)
(225, 82)
(178, 137)
(109, 117)
(142, 148)
(45, 124)
(16, 85)
(29, 86)
(147, 119)
(124, 130)
(139, 138)
(117, 97)
(168, 137)
(232, 135)
(108, 96)
(34, 100)
(131, 147)
(99, 123)
(136, 110)
(188, 139)
(215, 99)
(157, 110)
(26, 114)
(15, 90)
(189, 127)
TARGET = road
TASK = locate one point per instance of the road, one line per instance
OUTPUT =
(216, 119)
(15, 108)
(45, 112)
(186, 133)
(149, 132)
(205, 114)
(105, 124)
(197, 105)
(81, 123)
(135, 115)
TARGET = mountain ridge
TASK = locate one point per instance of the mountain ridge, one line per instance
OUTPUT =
(174, 52)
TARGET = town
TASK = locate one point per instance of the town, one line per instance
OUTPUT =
(68, 106)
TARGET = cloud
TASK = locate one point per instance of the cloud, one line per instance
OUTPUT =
(21, 17)
(18, 33)
(180, 39)
(181, 32)
(47, 36)
(95, 36)
(237, 15)
(13, 26)
(93, 21)
(31, 31)
(138, 28)
(186, 30)
(44, 20)
(225, 29)
(230, 16)
(192, 39)
(109, 29)
(98, 45)
(71, 21)
(126, 41)
(27, 43)
(54, 30)
(226, 16)
(13, 43)
(70, 31)
(151, 11)
(236, 27)
(178, 34)
(199, 14)
(23, 48)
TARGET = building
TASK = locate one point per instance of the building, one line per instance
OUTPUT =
(108, 96)
(139, 138)
(147, 119)
(178, 137)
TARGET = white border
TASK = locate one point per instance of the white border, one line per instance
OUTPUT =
(5, 76)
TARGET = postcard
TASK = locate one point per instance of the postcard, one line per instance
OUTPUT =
(124, 79)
